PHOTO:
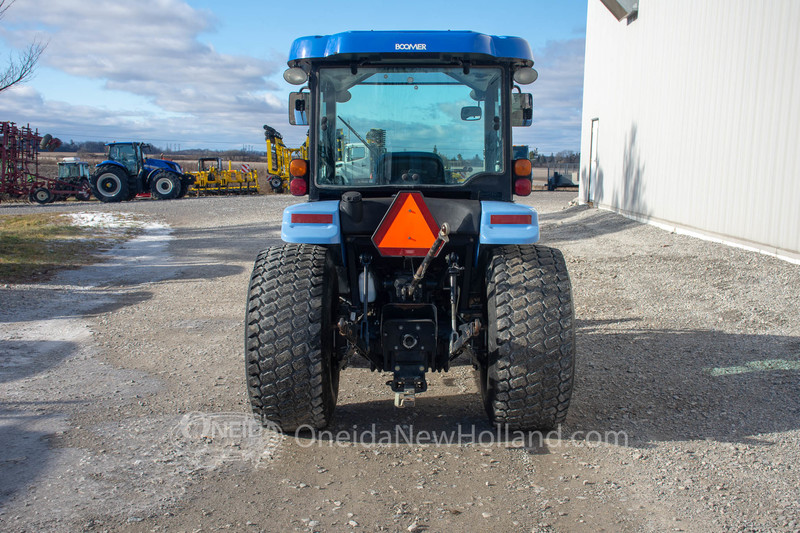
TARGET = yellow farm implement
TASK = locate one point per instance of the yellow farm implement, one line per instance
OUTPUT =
(211, 178)
(278, 158)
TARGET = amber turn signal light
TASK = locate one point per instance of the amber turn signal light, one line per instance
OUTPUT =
(522, 167)
(298, 168)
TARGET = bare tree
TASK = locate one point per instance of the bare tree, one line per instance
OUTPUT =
(21, 67)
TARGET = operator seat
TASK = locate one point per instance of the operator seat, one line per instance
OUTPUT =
(411, 168)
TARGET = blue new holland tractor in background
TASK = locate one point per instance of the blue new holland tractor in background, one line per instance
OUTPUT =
(423, 257)
(127, 173)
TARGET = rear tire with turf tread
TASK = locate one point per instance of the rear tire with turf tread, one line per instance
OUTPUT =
(527, 381)
(292, 374)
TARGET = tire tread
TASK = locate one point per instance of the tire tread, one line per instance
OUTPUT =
(283, 337)
(532, 352)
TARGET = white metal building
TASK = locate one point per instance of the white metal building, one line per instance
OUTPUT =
(691, 117)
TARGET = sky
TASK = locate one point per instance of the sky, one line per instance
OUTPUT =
(209, 74)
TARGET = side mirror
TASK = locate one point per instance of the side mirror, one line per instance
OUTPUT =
(472, 112)
(299, 104)
(521, 109)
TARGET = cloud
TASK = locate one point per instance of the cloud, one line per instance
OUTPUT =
(25, 105)
(151, 49)
(558, 98)
(155, 50)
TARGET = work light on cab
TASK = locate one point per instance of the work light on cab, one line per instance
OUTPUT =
(295, 76)
(524, 76)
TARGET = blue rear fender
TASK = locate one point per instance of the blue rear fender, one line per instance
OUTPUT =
(508, 223)
(111, 162)
(312, 223)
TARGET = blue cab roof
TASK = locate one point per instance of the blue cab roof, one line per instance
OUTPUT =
(354, 43)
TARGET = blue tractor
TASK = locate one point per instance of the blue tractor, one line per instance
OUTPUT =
(422, 260)
(127, 173)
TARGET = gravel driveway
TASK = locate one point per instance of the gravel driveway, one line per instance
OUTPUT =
(123, 403)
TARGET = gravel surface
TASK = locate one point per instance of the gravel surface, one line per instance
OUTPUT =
(123, 404)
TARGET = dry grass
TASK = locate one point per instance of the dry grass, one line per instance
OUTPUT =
(34, 247)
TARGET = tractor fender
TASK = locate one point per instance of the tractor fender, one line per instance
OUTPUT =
(508, 223)
(149, 175)
(150, 172)
(110, 162)
(324, 228)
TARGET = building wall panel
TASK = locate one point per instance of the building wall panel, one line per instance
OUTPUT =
(699, 117)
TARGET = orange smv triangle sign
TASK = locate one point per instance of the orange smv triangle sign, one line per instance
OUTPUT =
(407, 229)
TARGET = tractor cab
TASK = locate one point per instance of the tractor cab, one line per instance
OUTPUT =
(434, 116)
(129, 155)
(72, 169)
(209, 164)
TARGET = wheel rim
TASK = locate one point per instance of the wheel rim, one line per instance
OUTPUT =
(110, 184)
(164, 185)
(41, 196)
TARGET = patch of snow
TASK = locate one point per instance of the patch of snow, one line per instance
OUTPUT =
(110, 221)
